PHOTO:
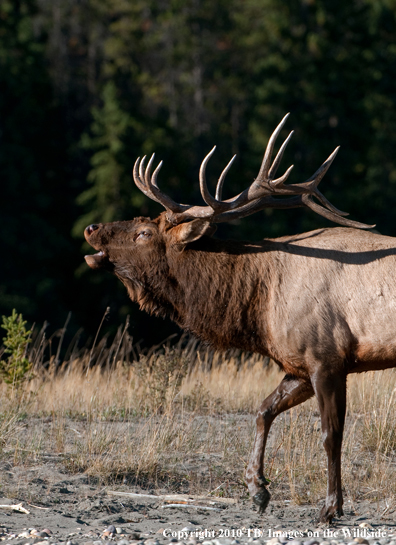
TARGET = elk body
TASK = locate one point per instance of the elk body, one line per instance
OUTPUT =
(321, 304)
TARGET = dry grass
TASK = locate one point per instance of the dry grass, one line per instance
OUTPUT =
(183, 419)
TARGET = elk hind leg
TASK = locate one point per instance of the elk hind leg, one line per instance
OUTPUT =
(291, 392)
(330, 391)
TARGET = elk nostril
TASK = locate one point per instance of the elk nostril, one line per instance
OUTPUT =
(91, 228)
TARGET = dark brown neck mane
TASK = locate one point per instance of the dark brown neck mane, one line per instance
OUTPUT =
(226, 309)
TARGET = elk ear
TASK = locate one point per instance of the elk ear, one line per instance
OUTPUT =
(191, 231)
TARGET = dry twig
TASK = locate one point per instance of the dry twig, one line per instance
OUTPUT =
(17, 507)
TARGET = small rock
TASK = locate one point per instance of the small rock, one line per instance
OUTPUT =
(119, 530)
(136, 535)
(123, 542)
(361, 540)
(109, 532)
(72, 542)
(151, 542)
(365, 525)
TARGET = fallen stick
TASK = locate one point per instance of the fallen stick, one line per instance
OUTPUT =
(174, 497)
(17, 507)
(189, 506)
(37, 507)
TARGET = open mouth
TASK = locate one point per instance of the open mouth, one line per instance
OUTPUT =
(97, 261)
(100, 260)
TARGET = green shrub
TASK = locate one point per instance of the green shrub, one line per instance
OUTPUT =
(15, 369)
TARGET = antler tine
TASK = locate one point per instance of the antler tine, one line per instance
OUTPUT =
(333, 216)
(214, 202)
(219, 187)
(207, 197)
(278, 159)
(148, 169)
(136, 172)
(136, 176)
(153, 180)
(265, 165)
(141, 169)
(276, 184)
(313, 182)
(317, 177)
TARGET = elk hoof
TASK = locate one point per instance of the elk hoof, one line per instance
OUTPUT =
(261, 499)
(328, 513)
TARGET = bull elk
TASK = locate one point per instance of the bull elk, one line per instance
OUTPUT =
(321, 304)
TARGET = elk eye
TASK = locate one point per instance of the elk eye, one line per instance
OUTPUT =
(143, 235)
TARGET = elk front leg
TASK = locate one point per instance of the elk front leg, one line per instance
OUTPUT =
(291, 392)
(330, 391)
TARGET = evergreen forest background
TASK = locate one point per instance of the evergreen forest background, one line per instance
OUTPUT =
(86, 86)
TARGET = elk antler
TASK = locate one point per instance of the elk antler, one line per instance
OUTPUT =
(260, 194)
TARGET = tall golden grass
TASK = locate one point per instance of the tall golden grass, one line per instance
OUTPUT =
(182, 418)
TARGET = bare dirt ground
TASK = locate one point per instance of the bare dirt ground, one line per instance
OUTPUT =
(68, 504)
(78, 508)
